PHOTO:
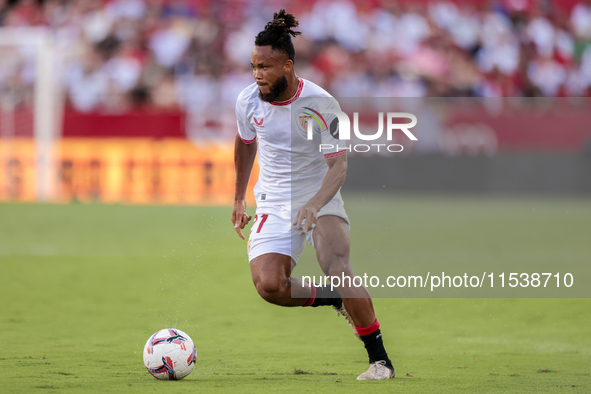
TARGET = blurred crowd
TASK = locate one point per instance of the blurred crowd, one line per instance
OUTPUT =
(195, 55)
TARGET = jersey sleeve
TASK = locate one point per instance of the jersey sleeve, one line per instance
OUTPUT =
(330, 132)
(246, 130)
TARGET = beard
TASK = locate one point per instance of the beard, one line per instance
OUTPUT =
(276, 90)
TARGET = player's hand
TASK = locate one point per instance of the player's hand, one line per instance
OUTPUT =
(307, 215)
(239, 217)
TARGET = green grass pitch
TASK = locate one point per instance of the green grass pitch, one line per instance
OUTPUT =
(82, 287)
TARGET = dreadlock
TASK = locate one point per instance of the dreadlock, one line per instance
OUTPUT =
(277, 33)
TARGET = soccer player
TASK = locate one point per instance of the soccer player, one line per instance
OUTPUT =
(293, 208)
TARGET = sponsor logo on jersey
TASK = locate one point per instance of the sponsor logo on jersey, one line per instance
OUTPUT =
(259, 123)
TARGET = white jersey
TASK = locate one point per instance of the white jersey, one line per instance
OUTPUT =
(291, 166)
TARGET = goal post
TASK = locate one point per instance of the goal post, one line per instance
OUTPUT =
(29, 67)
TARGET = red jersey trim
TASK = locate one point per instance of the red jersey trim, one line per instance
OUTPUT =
(295, 96)
(247, 141)
(335, 154)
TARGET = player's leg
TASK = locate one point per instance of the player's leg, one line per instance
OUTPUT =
(273, 250)
(332, 242)
(271, 276)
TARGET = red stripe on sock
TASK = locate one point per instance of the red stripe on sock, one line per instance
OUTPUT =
(363, 331)
(311, 300)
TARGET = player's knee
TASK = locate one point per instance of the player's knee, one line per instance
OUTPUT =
(271, 290)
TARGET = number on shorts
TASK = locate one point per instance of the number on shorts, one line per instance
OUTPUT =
(263, 220)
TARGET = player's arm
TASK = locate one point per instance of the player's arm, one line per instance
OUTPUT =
(332, 182)
(244, 155)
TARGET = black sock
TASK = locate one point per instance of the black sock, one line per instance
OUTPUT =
(375, 348)
(326, 296)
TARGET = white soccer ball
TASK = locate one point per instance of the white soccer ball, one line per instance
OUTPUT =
(170, 354)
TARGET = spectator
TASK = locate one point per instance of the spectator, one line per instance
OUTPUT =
(581, 19)
(192, 54)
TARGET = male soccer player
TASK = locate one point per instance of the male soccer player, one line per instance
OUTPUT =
(298, 193)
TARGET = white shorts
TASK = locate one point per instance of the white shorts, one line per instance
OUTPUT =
(272, 230)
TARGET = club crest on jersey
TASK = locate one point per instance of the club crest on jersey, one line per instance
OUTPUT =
(304, 119)
(308, 117)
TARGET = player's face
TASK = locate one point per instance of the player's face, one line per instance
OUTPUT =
(269, 68)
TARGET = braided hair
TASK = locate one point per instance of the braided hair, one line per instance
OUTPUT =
(278, 33)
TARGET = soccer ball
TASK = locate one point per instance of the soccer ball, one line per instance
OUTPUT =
(170, 354)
